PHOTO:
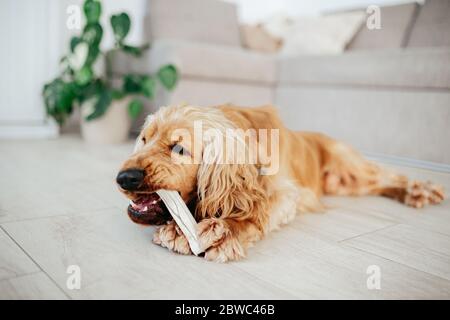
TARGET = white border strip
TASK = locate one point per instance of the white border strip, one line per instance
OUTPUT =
(42, 131)
(408, 162)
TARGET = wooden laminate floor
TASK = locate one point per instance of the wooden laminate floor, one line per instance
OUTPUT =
(59, 207)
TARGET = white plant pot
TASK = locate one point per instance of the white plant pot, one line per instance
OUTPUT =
(111, 128)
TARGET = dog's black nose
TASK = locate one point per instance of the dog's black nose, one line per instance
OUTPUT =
(130, 179)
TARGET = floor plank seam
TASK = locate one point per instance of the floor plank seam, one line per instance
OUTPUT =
(79, 214)
(35, 262)
(367, 210)
(274, 285)
(370, 211)
(406, 222)
(399, 263)
(369, 232)
(426, 229)
(21, 275)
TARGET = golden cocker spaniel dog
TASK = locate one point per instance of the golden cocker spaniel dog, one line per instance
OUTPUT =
(240, 189)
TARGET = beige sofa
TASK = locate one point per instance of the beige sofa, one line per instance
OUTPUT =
(389, 94)
(201, 37)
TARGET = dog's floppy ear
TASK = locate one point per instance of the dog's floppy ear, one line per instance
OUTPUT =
(227, 190)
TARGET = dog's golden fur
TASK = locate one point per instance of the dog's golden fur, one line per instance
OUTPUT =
(236, 205)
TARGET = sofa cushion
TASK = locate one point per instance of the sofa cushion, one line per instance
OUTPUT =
(327, 34)
(395, 25)
(255, 37)
(432, 25)
(209, 21)
(203, 61)
(425, 68)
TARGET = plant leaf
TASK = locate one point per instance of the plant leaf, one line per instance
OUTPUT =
(120, 24)
(117, 94)
(148, 86)
(132, 83)
(92, 10)
(135, 108)
(101, 106)
(92, 34)
(168, 75)
(58, 99)
(83, 76)
(93, 53)
(92, 89)
(135, 51)
(74, 41)
(79, 56)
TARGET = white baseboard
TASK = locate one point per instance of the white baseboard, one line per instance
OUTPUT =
(29, 131)
(51, 130)
(408, 162)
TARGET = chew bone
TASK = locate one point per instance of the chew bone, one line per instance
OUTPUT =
(182, 217)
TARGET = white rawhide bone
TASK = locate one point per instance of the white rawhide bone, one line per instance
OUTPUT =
(182, 217)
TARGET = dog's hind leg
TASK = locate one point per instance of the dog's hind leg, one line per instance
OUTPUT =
(347, 173)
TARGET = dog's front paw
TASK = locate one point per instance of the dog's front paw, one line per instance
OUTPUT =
(171, 237)
(211, 232)
(228, 250)
(218, 241)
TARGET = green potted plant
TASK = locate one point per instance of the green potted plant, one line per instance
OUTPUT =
(107, 108)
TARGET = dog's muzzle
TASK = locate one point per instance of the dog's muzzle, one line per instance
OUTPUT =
(130, 179)
(149, 209)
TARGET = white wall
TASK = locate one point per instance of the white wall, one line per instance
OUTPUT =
(29, 39)
(253, 11)
(34, 37)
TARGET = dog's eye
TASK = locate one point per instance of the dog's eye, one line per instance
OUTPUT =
(178, 149)
(143, 140)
